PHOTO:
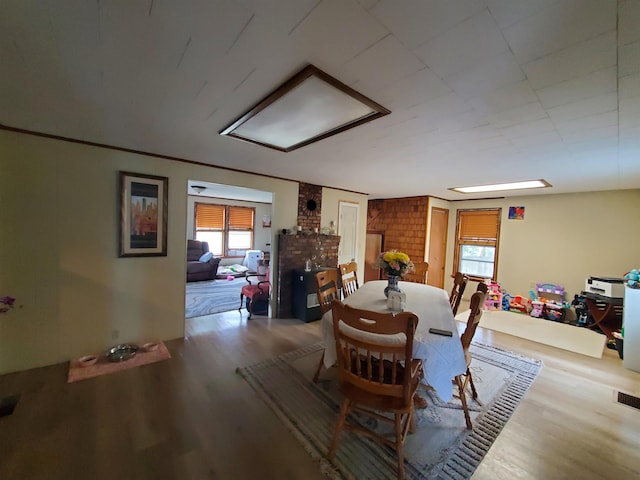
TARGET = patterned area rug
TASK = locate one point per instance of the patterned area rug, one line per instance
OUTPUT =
(440, 448)
(213, 296)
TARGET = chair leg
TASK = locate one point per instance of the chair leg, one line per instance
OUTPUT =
(241, 298)
(250, 309)
(315, 377)
(474, 392)
(344, 411)
(399, 443)
(463, 399)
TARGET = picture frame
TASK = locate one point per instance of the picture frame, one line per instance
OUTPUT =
(516, 213)
(144, 201)
(266, 221)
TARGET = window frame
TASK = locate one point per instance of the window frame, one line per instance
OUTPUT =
(226, 228)
(486, 242)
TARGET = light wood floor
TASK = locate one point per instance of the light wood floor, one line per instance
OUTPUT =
(193, 417)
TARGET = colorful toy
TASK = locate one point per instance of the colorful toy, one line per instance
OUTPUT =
(537, 309)
(518, 304)
(494, 297)
(553, 304)
(506, 301)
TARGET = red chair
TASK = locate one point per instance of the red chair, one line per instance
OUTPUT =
(258, 289)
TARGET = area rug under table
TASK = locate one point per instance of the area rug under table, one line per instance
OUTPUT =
(555, 334)
(103, 366)
(440, 448)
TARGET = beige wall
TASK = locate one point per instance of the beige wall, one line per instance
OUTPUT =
(59, 217)
(563, 239)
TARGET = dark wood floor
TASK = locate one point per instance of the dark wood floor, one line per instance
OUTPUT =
(193, 417)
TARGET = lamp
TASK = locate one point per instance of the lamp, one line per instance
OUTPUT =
(308, 107)
(198, 188)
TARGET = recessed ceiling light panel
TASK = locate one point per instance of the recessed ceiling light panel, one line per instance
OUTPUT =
(308, 107)
(503, 186)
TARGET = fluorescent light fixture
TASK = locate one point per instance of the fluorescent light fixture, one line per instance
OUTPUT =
(503, 186)
(308, 107)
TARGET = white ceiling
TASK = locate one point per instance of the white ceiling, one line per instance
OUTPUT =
(480, 91)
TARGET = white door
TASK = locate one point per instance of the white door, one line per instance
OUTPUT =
(348, 230)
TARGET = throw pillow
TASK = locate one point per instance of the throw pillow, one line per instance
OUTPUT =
(206, 257)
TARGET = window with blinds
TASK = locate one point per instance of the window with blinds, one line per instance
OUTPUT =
(477, 239)
(228, 229)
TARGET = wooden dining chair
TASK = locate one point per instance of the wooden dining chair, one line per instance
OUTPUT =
(459, 284)
(349, 278)
(419, 275)
(465, 380)
(377, 378)
(327, 288)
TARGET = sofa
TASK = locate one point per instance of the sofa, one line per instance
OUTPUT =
(201, 264)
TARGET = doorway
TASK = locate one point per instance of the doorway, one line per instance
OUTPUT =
(437, 246)
(348, 214)
(222, 293)
(372, 250)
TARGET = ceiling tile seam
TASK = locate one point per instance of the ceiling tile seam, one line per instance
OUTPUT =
(535, 90)
(450, 28)
(201, 89)
(527, 17)
(244, 79)
(184, 51)
(406, 47)
(304, 17)
(240, 33)
(369, 47)
(567, 47)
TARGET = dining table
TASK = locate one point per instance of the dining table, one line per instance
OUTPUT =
(442, 356)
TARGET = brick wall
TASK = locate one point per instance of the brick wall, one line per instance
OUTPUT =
(293, 251)
(309, 219)
(403, 222)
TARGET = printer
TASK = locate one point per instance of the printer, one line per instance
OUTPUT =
(605, 286)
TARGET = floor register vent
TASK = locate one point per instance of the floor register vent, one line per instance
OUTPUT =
(630, 400)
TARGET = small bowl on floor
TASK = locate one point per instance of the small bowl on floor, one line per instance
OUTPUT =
(150, 347)
(122, 353)
(87, 360)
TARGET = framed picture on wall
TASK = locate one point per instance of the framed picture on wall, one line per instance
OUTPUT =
(266, 221)
(143, 215)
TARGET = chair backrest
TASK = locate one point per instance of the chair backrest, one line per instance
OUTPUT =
(459, 284)
(349, 278)
(419, 275)
(482, 287)
(477, 302)
(327, 288)
(371, 362)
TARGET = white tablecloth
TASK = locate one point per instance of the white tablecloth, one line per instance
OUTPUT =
(441, 356)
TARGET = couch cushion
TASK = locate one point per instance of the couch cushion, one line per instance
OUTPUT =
(206, 257)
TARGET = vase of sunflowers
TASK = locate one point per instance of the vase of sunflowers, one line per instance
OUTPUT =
(395, 265)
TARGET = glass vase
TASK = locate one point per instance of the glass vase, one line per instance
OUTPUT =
(392, 285)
